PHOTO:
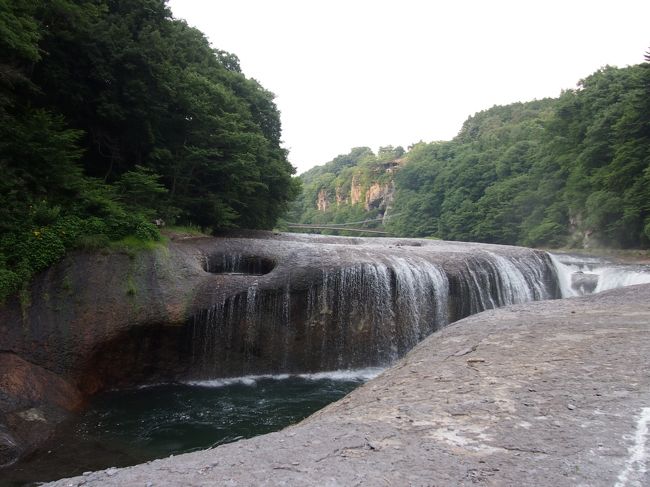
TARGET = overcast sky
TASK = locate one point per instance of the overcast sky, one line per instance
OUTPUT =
(349, 73)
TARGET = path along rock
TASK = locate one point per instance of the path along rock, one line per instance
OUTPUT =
(547, 393)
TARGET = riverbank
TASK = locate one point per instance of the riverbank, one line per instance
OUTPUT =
(546, 393)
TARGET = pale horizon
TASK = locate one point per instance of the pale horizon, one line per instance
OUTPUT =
(376, 73)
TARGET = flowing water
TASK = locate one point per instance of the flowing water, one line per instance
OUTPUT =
(579, 275)
(366, 314)
(363, 314)
(132, 426)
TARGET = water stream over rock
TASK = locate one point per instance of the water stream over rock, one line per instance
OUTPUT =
(579, 275)
(369, 308)
(213, 309)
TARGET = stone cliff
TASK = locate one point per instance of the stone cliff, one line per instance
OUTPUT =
(377, 194)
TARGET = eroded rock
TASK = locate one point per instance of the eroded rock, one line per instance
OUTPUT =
(253, 302)
(584, 282)
(549, 393)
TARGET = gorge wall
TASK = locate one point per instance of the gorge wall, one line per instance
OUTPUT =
(247, 303)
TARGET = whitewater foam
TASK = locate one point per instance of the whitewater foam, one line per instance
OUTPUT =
(609, 275)
(353, 375)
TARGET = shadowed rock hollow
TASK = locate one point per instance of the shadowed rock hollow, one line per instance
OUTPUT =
(549, 393)
(242, 304)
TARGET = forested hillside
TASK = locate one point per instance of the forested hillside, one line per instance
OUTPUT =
(572, 171)
(114, 114)
(352, 187)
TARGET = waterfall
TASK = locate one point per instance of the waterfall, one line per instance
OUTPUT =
(489, 280)
(579, 275)
(368, 313)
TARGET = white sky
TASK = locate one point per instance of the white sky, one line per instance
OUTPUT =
(349, 73)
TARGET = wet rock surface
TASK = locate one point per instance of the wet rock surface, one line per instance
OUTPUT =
(32, 402)
(584, 283)
(245, 303)
(546, 393)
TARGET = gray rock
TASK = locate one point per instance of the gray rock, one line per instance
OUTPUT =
(257, 302)
(584, 282)
(398, 429)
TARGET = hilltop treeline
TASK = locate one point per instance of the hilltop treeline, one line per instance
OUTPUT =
(567, 171)
(114, 114)
(337, 192)
(571, 171)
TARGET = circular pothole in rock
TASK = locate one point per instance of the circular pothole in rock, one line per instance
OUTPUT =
(238, 264)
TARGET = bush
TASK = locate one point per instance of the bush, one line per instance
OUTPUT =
(146, 231)
(547, 233)
(33, 248)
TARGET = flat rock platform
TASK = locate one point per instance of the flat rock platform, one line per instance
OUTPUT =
(547, 393)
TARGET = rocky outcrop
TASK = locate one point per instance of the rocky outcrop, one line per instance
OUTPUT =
(380, 196)
(550, 393)
(355, 190)
(342, 197)
(242, 304)
(584, 282)
(323, 202)
(33, 400)
(375, 195)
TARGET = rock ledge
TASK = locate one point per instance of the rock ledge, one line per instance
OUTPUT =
(547, 393)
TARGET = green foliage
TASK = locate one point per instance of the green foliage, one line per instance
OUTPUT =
(141, 190)
(546, 173)
(185, 229)
(131, 288)
(114, 114)
(551, 172)
(342, 184)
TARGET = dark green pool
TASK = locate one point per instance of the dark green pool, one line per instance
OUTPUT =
(127, 427)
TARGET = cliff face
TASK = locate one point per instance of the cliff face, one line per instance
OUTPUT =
(322, 203)
(380, 196)
(374, 193)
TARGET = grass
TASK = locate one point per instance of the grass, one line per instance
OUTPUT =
(131, 289)
(185, 230)
(132, 245)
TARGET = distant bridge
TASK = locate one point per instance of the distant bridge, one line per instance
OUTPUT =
(343, 226)
(306, 226)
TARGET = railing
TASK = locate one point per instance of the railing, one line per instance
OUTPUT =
(340, 227)
(344, 226)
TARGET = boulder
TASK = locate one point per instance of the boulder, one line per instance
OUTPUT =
(584, 282)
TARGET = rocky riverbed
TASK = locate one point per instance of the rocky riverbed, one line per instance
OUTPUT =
(546, 393)
(246, 303)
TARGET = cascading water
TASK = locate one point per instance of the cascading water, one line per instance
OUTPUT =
(489, 280)
(368, 313)
(579, 275)
(280, 315)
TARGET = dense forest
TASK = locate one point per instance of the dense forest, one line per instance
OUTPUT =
(113, 115)
(572, 171)
(350, 188)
